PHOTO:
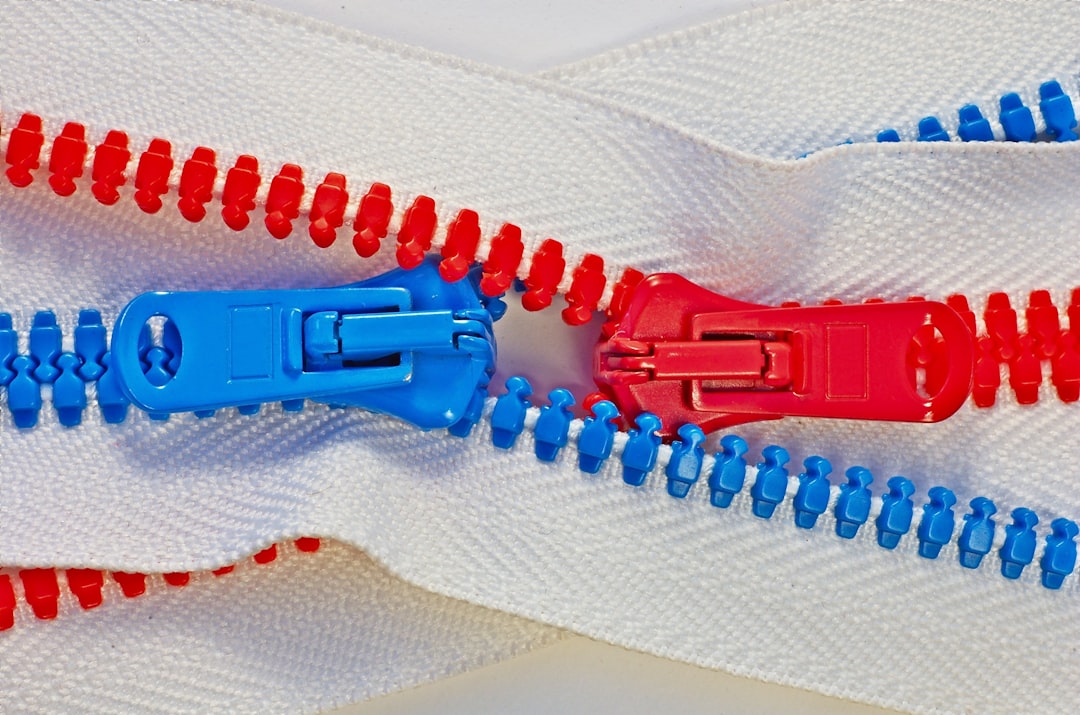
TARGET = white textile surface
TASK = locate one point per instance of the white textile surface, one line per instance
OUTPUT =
(675, 155)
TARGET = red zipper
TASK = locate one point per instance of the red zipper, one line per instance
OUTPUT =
(110, 165)
(39, 589)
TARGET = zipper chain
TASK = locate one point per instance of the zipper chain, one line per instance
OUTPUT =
(726, 473)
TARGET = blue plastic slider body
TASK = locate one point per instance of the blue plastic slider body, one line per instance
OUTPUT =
(405, 343)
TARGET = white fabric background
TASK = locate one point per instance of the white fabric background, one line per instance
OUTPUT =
(682, 170)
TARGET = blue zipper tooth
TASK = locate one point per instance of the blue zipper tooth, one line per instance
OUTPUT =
(938, 522)
(930, 130)
(91, 342)
(729, 471)
(974, 127)
(9, 348)
(687, 457)
(24, 393)
(770, 486)
(45, 346)
(977, 536)
(897, 510)
(888, 135)
(597, 437)
(462, 428)
(69, 391)
(1057, 111)
(1059, 556)
(1016, 119)
(641, 449)
(508, 417)
(853, 504)
(111, 400)
(552, 428)
(1020, 542)
(812, 496)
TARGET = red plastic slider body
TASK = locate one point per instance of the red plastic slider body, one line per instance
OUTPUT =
(689, 355)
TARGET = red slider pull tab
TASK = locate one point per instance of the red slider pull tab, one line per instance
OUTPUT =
(689, 355)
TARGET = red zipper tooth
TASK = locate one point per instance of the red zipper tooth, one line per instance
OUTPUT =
(178, 578)
(328, 210)
(308, 544)
(1000, 319)
(545, 272)
(987, 378)
(86, 584)
(417, 231)
(503, 259)
(372, 220)
(620, 299)
(110, 162)
(152, 175)
(67, 160)
(959, 304)
(1025, 371)
(1065, 368)
(42, 592)
(266, 555)
(197, 183)
(586, 289)
(283, 201)
(132, 584)
(462, 239)
(24, 150)
(223, 570)
(7, 603)
(1073, 312)
(238, 196)
(1043, 324)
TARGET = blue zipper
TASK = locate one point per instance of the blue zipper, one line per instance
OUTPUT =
(727, 473)
(1015, 118)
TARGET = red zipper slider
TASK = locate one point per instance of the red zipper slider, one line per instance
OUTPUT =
(691, 356)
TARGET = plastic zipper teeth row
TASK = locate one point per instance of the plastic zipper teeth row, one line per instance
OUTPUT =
(42, 589)
(1015, 120)
(725, 473)
(114, 163)
(23, 375)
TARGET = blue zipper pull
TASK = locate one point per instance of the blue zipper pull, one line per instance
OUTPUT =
(978, 534)
(405, 343)
(897, 510)
(812, 497)
(641, 449)
(684, 467)
(1020, 541)
(1059, 556)
(853, 504)
(937, 523)
(729, 471)
(770, 487)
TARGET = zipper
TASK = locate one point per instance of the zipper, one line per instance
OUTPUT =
(46, 591)
(732, 480)
(154, 359)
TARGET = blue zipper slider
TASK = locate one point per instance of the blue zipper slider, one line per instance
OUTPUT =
(405, 343)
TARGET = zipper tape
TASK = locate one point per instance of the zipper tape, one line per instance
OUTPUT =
(728, 473)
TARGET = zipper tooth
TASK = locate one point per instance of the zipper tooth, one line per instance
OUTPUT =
(892, 515)
(43, 589)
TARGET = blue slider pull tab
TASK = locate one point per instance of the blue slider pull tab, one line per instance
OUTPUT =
(405, 344)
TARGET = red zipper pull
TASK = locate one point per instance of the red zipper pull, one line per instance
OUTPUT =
(689, 355)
